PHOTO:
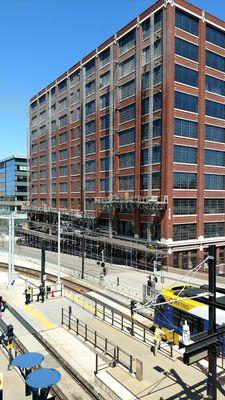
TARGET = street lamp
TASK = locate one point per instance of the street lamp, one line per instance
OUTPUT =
(59, 249)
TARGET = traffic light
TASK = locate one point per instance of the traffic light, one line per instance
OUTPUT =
(10, 333)
(133, 305)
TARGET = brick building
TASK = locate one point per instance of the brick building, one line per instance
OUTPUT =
(134, 133)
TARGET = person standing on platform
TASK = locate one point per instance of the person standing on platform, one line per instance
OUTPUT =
(27, 295)
(158, 338)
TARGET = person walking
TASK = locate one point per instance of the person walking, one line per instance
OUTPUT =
(158, 338)
(41, 293)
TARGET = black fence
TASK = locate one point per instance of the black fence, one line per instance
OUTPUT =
(114, 352)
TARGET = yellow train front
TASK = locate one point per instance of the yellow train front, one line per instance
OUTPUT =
(177, 304)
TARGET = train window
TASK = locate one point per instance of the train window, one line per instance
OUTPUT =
(196, 324)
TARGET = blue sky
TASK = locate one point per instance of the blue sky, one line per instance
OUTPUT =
(41, 39)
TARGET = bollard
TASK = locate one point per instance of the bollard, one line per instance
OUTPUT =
(62, 317)
(70, 312)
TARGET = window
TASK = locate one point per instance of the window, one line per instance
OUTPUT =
(72, 116)
(127, 137)
(214, 182)
(185, 128)
(90, 204)
(63, 154)
(53, 141)
(186, 75)
(33, 105)
(43, 188)
(126, 182)
(34, 162)
(104, 143)
(63, 121)
(145, 56)
(104, 80)
(157, 103)
(63, 137)
(104, 122)
(34, 148)
(214, 206)
(157, 129)
(158, 20)
(214, 85)
(104, 57)
(42, 130)
(213, 229)
(186, 49)
(215, 61)
(54, 170)
(185, 154)
(90, 166)
(184, 232)
(42, 116)
(53, 109)
(104, 184)
(158, 74)
(158, 48)
(63, 171)
(186, 102)
(53, 125)
(72, 98)
(62, 104)
(53, 92)
(104, 101)
(126, 160)
(43, 145)
(90, 107)
(34, 134)
(214, 133)
(184, 206)
(127, 113)
(186, 22)
(215, 36)
(184, 180)
(127, 42)
(53, 156)
(156, 155)
(62, 86)
(90, 88)
(54, 187)
(63, 187)
(104, 164)
(90, 127)
(156, 180)
(127, 66)
(34, 176)
(90, 185)
(157, 78)
(146, 29)
(63, 203)
(90, 147)
(127, 90)
(213, 109)
(43, 160)
(42, 100)
(214, 157)
(72, 80)
(34, 121)
(90, 68)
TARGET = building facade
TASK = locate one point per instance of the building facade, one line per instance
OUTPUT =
(134, 133)
(13, 183)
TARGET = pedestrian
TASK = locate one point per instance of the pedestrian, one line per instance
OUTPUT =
(27, 295)
(41, 293)
(158, 334)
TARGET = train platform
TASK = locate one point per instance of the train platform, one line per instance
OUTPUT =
(163, 376)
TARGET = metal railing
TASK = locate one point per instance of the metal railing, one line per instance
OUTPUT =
(114, 352)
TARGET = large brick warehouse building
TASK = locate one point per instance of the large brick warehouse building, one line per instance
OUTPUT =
(134, 133)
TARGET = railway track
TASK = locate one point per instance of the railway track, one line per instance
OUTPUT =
(68, 284)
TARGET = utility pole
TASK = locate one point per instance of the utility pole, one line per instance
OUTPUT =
(82, 257)
(59, 247)
(43, 266)
(212, 352)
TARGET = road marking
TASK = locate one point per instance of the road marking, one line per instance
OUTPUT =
(39, 317)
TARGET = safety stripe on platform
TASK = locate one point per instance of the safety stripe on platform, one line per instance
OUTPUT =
(39, 317)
